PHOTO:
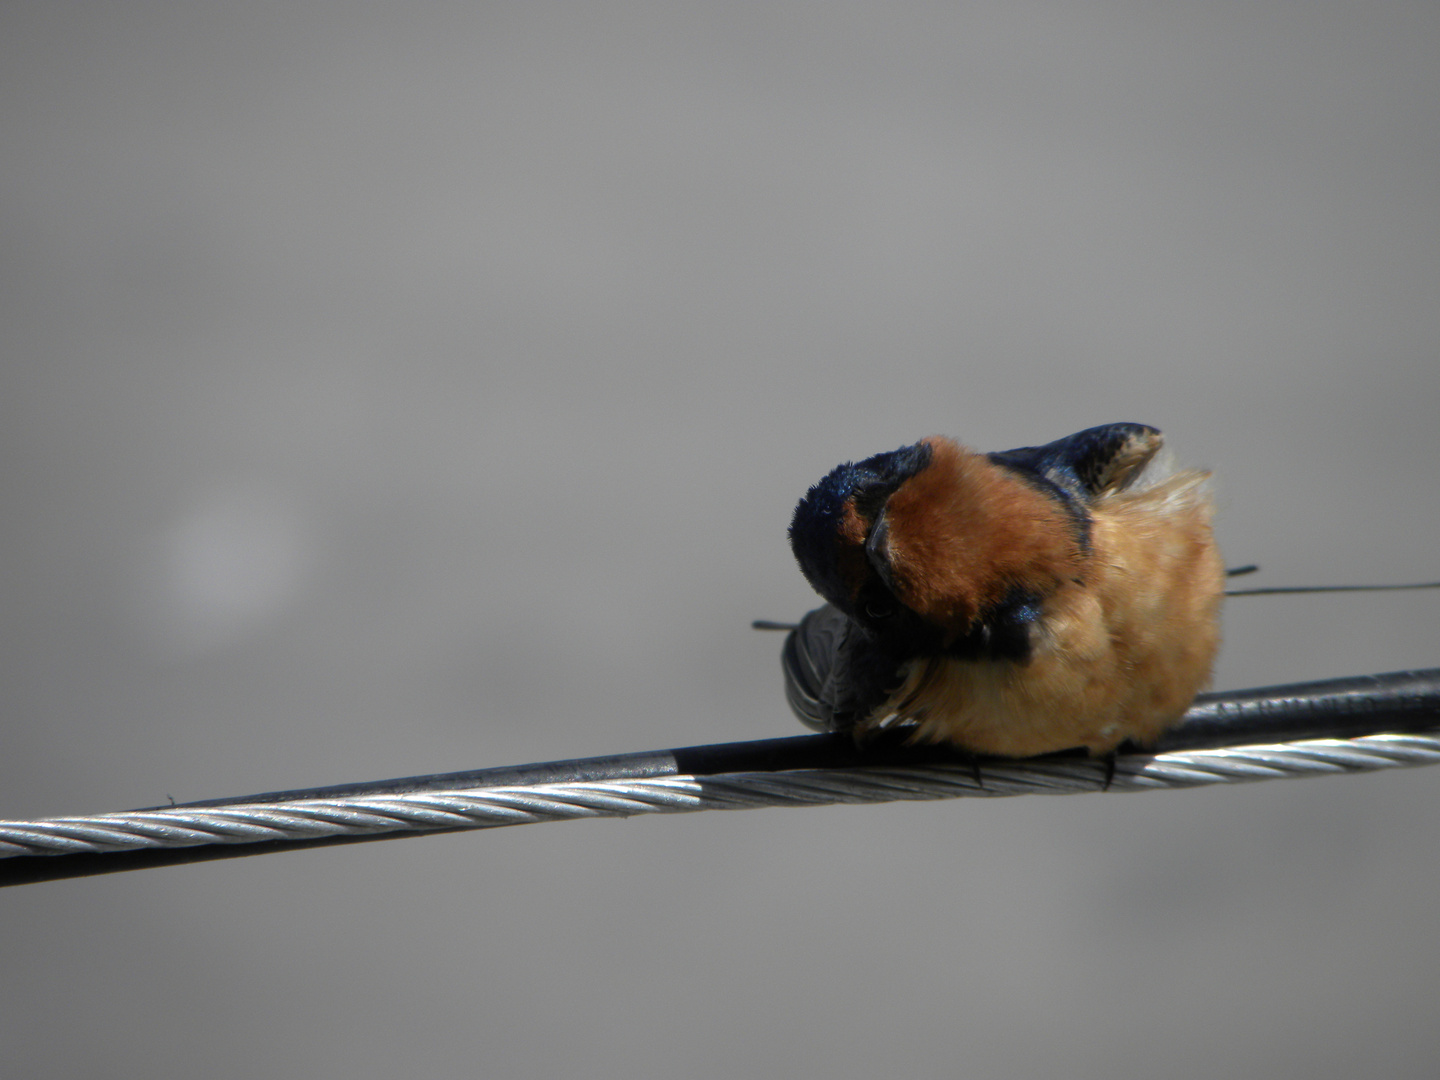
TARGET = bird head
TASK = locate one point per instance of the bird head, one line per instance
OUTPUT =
(935, 548)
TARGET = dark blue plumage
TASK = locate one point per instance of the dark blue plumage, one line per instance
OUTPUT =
(1088, 462)
(821, 515)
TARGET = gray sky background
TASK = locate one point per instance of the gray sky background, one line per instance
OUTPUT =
(392, 389)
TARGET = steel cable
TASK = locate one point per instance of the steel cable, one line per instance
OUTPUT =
(1389, 721)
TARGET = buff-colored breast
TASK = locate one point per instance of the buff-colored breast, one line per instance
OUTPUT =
(1119, 655)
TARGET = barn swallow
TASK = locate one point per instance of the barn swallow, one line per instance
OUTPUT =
(1016, 603)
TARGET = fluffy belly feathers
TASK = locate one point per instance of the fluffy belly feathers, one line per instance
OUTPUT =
(1119, 653)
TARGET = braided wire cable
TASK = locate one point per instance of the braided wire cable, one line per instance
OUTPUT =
(1402, 710)
(482, 808)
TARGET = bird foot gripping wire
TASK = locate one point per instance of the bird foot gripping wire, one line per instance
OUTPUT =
(1313, 729)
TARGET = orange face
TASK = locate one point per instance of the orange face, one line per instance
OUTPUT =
(958, 537)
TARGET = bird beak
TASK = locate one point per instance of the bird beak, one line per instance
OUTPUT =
(877, 551)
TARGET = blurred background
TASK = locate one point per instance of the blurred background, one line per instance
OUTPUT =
(395, 389)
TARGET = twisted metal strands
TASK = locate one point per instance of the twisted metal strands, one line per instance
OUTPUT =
(1311, 729)
(309, 821)
(317, 819)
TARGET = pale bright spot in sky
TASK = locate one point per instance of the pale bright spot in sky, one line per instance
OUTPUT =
(229, 563)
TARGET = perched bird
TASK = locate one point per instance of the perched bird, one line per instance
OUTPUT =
(1015, 603)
